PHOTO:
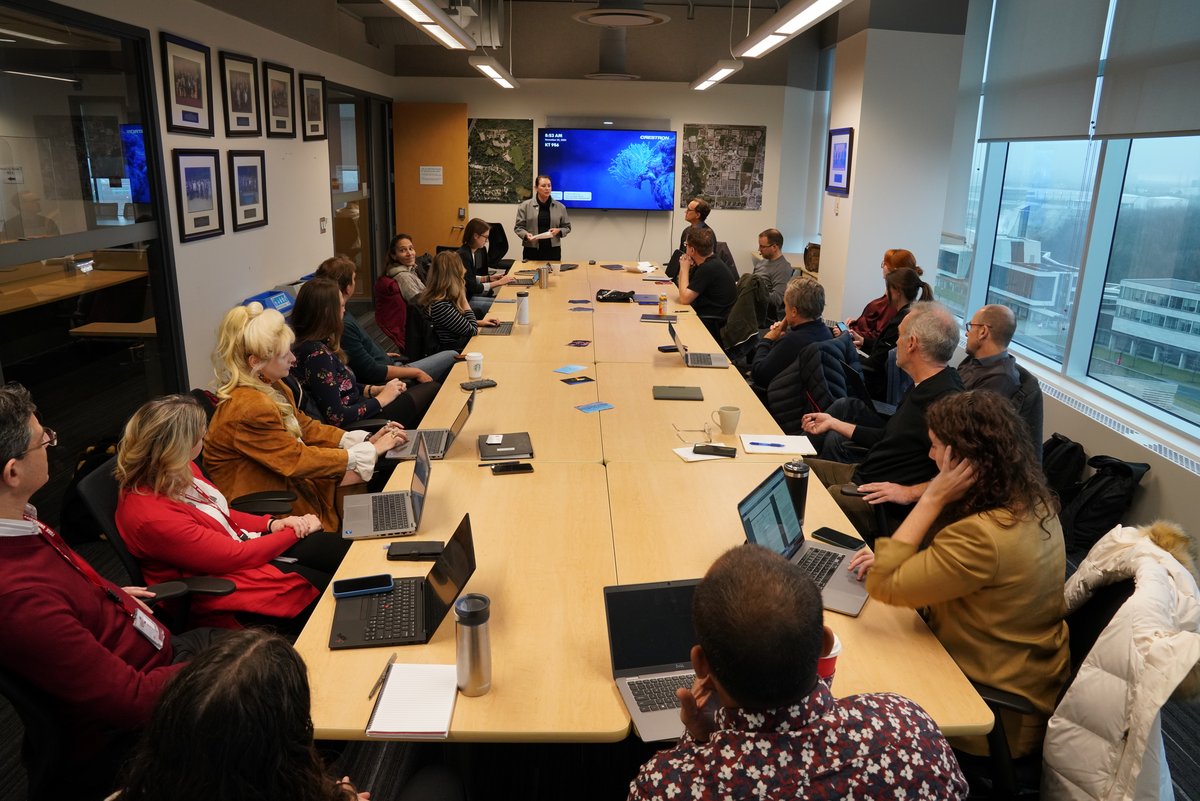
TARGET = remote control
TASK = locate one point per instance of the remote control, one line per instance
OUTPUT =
(482, 383)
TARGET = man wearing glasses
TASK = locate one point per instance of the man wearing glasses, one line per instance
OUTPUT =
(774, 267)
(988, 364)
(92, 647)
(696, 215)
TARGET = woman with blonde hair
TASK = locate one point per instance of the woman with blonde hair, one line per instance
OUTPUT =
(258, 440)
(444, 303)
(178, 525)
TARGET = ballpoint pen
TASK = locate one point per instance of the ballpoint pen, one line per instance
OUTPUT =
(767, 444)
(379, 682)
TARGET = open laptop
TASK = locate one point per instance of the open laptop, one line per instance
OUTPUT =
(502, 330)
(650, 638)
(436, 440)
(388, 514)
(415, 607)
(696, 359)
(769, 519)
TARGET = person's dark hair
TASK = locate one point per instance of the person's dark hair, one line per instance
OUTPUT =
(984, 427)
(773, 237)
(339, 269)
(908, 282)
(702, 239)
(16, 406)
(474, 226)
(806, 296)
(233, 724)
(540, 177)
(317, 316)
(759, 620)
(897, 258)
(702, 207)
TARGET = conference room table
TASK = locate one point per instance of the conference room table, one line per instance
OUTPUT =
(608, 502)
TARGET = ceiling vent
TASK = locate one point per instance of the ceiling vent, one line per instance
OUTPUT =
(621, 14)
(612, 58)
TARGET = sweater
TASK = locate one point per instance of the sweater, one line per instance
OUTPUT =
(369, 362)
(771, 357)
(453, 328)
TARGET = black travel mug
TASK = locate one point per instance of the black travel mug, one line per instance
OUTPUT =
(796, 474)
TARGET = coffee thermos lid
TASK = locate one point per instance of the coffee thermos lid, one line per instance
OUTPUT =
(473, 609)
(795, 469)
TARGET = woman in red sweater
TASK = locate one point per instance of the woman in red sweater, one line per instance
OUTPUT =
(177, 524)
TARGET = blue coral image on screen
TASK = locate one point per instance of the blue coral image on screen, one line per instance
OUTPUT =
(133, 146)
(609, 168)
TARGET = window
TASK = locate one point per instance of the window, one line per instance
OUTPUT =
(1039, 238)
(1154, 269)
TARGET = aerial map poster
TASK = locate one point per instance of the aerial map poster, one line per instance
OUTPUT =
(723, 164)
(500, 160)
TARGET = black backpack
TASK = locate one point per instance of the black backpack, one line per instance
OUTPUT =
(1093, 507)
(1062, 462)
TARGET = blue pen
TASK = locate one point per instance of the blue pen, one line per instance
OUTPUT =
(768, 444)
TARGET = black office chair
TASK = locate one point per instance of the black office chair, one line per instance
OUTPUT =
(1028, 400)
(99, 491)
(306, 404)
(497, 248)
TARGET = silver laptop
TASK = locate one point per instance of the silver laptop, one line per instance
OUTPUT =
(502, 330)
(436, 440)
(389, 514)
(696, 359)
(650, 639)
(770, 520)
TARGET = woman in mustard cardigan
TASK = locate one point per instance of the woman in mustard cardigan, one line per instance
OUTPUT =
(258, 440)
(992, 567)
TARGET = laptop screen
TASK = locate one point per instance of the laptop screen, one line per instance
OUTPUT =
(650, 625)
(420, 480)
(675, 338)
(461, 420)
(449, 574)
(769, 517)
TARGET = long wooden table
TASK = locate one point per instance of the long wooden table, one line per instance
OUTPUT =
(602, 507)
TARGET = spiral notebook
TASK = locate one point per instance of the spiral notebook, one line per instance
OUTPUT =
(416, 703)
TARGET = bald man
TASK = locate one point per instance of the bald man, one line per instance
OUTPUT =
(988, 364)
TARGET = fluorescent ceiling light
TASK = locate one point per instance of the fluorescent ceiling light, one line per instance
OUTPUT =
(30, 36)
(491, 68)
(412, 11)
(40, 75)
(794, 18)
(429, 17)
(715, 74)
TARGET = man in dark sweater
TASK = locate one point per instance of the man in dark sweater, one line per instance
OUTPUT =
(897, 466)
(705, 283)
(780, 345)
(696, 214)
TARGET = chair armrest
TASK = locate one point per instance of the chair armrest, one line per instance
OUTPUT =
(262, 507)
(1002, 699)
(168, 590)
(209, 585)
(371, 425)
(267, 495)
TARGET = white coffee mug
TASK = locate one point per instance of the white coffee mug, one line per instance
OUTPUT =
(727, 417)
(474, 365)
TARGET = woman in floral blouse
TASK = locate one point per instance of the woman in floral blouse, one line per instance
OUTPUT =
(322, 372)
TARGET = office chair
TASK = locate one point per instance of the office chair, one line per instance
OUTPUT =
(99, 491)
(497, 248)
(306, 404)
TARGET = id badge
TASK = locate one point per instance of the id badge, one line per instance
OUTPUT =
(148, 628)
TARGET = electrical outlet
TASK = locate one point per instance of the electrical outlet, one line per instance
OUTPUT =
(462, 213)
(324, 224)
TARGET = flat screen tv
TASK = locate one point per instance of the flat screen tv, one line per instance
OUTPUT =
(609, 168)
(133, 146)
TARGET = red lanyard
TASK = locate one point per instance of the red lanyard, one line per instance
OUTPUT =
(84, 569)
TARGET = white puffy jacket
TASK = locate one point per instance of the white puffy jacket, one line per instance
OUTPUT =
(1105, 738)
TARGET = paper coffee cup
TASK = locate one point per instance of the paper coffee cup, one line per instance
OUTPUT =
(474, 365)
(827, 664)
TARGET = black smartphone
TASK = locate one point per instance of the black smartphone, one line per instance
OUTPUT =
(364, 585)
(414, 550)
(515, 467)
(667, 349)
(837, 538)
(715, 450)
(850, 489)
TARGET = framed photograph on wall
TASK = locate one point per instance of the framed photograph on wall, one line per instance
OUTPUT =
(248, 188)
(279, 100)
(239, 85)
(187, 84)
(837, 170)
(198, 193)
(312, 106)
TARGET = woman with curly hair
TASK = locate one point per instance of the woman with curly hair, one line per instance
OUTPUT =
(983, 551)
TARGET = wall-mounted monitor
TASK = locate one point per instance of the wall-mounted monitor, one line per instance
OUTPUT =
(133, 147)
(609, 168)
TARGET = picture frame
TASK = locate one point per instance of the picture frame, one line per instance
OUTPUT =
(840, 153)
(187, 85)
(198, 193)
(239, 90)
(279, 100)
(312, 107)
(248, 188)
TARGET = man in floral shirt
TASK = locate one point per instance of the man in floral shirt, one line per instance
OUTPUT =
(761, 725)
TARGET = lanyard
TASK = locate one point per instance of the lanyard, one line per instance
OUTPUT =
(84, 569)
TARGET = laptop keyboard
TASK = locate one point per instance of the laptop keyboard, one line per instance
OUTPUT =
(504, 329)
(659, 693)
(435, 441)
(390, 512)
(702, 359)
(392, 615)
(819, 565)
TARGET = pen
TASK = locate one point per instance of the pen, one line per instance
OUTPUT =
(382, 676)
(493, 464)
(767, 444)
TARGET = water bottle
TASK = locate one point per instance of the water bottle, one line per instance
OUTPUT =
(544, 276)
(796, 475)
(522, 308)
(474, 646)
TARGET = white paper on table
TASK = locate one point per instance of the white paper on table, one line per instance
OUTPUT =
(416, 702)
(645, 266)
(687, 455)
(778, 443)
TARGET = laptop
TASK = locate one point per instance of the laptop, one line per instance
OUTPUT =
(436, 440)
(696, 359)
(502, 330)
(769, 519)
(415, 607)
(388, 514)
(650, 639)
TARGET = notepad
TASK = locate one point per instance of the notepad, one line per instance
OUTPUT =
(416, 703)
(775, 443)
